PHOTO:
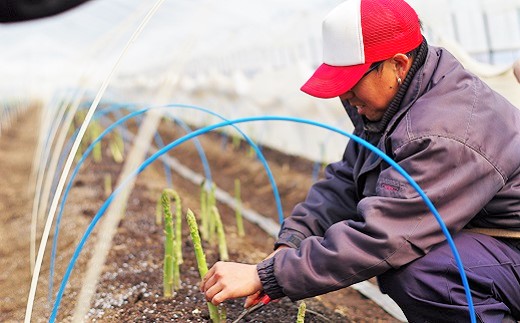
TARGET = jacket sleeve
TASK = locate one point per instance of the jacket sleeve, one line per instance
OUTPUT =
(329, 201)
(391, 228)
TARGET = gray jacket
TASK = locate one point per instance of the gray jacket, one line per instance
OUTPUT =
(457, 138)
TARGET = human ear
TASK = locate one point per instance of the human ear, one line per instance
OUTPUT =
(402, 64)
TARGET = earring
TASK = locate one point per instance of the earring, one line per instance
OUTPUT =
(399, 81)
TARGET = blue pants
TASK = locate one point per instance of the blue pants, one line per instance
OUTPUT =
(430, 289)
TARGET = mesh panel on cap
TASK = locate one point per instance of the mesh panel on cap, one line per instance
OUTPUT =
(389, 27)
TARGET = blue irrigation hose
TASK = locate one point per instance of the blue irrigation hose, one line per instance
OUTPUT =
(108, 130)
(255, 147)
(61, 161)
(173, 144)
(73, 176)
(203, 157)
(115, 108)
(258, 152)
(47, 144)
(158, 140)
(205, 164)
(66, 194)
(97, 115)
(67, 147)
(118, 115)
(167, 171)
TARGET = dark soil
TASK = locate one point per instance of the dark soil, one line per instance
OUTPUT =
(130, 288)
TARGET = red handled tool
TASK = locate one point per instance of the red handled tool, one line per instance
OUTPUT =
(262, 300)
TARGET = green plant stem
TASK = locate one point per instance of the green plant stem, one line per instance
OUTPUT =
(168, 247)
(222, 313)
(173, 243)
(203, 211)
(95, 131)
(119, 142)
(116, 150)
(212, 222)
(178, 226)
(221, 235)
(251, 152)
(235, 142)
(238, 209)
(108, 184)
(301, 313)
(201, 259)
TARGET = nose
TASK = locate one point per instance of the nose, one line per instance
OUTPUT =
(346, 96)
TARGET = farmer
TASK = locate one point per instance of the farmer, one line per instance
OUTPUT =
(456, 137)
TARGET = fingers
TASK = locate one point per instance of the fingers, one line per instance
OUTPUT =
(216, 296)
(226, 280)
(204, 284)
(251, 299)
(211, 285)
(211, 295)
(216, 291)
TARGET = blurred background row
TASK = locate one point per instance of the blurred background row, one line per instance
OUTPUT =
(237, 58)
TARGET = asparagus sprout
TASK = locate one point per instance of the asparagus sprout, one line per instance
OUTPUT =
(238, 209)
(117, 146)
(301, 313)
(95, 131)
(211, 215)
(172, 243)
(168, 247)
(221, 235)
(203, 210)
(107, 184)
(201, 259)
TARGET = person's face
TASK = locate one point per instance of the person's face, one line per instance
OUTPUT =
(372, 95)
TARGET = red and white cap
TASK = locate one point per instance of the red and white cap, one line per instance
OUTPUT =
(356, 34)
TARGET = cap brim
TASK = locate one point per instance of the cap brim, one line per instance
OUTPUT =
(331, 81)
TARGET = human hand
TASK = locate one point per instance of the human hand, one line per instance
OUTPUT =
(227, 280)
(251, 299)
